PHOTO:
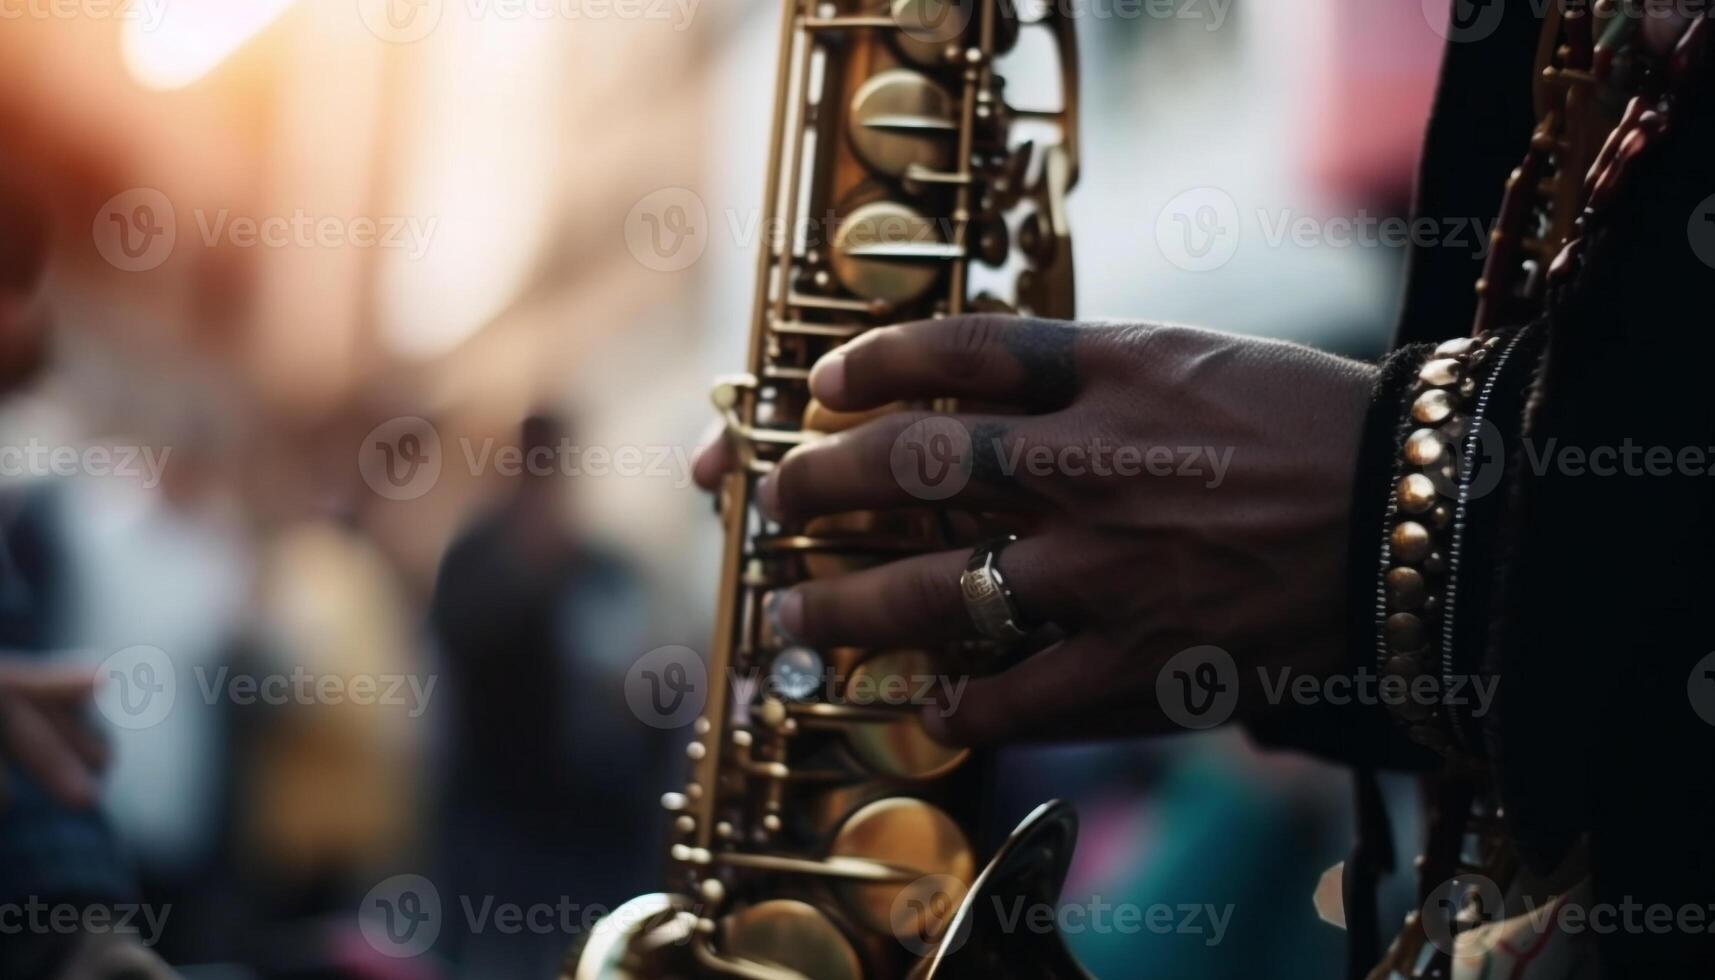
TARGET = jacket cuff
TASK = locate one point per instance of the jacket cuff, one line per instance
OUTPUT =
(1362, 734)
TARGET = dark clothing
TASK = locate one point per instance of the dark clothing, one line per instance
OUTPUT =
(549, 796)
(48, 852)
(1591, 602)
(540, 721)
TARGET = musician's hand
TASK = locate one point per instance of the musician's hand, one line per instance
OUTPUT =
(1189, 489)
(43, 728)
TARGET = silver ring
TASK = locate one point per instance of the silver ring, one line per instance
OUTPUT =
(988, 598)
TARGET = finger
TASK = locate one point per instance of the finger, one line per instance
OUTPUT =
(1036, 697)
(28, 678)
(905, 459)
(919, 599)
(33, 742)
(989, 357)
(714, 458)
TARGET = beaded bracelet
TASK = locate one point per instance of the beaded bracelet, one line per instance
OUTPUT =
(1418, 568)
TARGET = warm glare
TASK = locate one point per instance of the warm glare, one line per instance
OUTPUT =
(188, 38)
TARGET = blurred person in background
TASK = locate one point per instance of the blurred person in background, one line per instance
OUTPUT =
(57, 850)
(327, 799)
(167, 566)
(537, 623)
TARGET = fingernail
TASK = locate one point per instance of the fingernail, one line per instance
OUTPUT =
(828, 378)
(768, 497)
(785, 611)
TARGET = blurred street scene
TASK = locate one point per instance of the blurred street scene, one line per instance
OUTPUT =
(346, 410)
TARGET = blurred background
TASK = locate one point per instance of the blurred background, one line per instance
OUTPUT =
(281, 233)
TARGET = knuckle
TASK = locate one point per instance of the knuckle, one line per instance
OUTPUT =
(1129, 336)
(964, 347)
(1108, 345)
(922, 593)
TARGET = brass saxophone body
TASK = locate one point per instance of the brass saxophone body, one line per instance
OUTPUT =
(822, 833)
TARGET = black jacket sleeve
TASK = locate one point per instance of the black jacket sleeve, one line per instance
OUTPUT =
(1593, 605)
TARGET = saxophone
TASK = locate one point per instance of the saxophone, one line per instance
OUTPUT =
(822, 834)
